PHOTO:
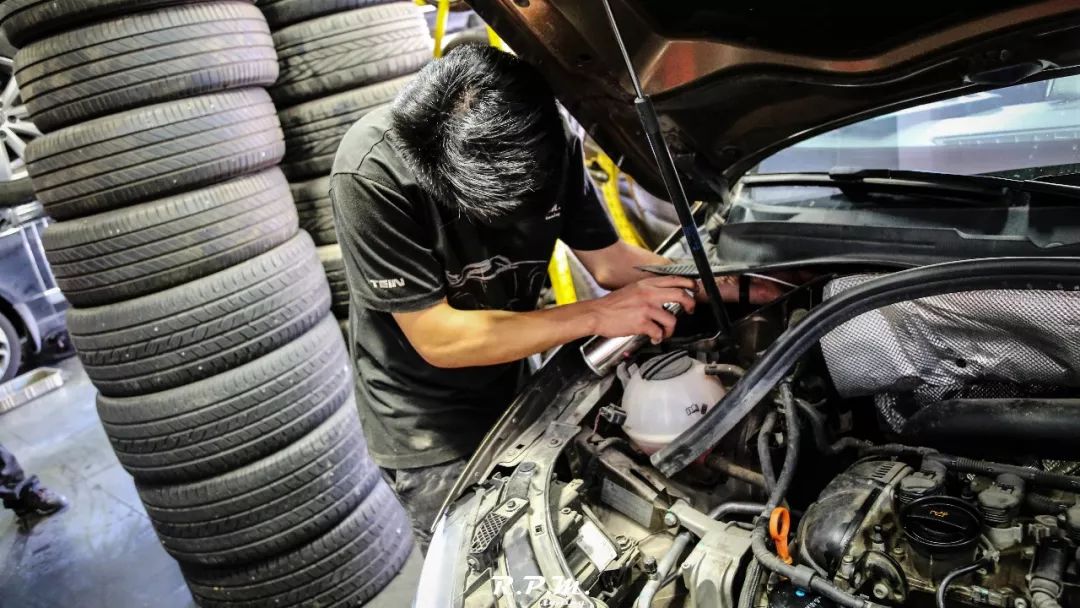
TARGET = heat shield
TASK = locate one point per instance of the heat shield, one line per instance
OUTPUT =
(978, 338)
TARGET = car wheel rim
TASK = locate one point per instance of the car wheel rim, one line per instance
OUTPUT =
(16, 130)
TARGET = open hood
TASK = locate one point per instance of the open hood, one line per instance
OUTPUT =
(736, 82)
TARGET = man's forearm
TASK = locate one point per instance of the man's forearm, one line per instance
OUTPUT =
(616, 266)
(450, 338)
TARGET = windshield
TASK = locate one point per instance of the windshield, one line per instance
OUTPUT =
(1022, 131)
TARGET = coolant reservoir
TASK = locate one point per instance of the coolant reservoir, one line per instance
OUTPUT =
(665, 396)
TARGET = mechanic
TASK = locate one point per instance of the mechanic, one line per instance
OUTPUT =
(448, 204)
(25, 495)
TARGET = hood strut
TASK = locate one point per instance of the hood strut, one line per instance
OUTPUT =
(650, 121)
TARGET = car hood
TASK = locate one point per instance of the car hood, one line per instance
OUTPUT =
(735, 82)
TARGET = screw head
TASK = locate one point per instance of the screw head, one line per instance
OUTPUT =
(876, 535)
(881, 591)
(565, 511)
(1020, 603)
(649, 564)
(849, 559)
(670, 519)
(622, 541)
(527, 467)
(511, 504)
(545, 603)
(554, 443)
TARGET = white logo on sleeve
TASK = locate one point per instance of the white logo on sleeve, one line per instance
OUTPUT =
(554, 212)
(386, 283)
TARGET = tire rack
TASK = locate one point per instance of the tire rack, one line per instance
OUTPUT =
(339, 60)
(199, 312)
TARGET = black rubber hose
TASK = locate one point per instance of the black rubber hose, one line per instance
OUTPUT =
(1044, 505)
(997, 428)
(1025, 273)
(764, 454)
(1045, 581)
(666, 570)
(729, 468)
(1058, 481)
(791, 454)
(800, 575)
(821, 436)
(736, 508)
(893, 449)
(950, 577)
(821, 439)
(817, 425)
(751, 584)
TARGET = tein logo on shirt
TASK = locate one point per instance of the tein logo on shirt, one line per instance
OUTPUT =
(386, 283)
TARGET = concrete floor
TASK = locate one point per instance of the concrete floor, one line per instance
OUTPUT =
(100, 552)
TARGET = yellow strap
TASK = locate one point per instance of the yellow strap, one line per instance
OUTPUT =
(610, 190)
(562, 282)
(493, 38)
(442, 13)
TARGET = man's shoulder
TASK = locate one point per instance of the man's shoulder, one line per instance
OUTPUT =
(366, 151)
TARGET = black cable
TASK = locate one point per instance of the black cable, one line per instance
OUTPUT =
(1059, 481)
(735, 471)
(821, 436)
(670, 578)
(817, 424)
(1047, 479)
(1042, 504)
(764, 454)
(735, 508)
(821, 439)
(791, 455)
(950, 577)
(751, 584)
(800, 575)
(678, 545)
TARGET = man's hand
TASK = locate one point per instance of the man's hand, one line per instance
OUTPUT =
(447, 337)
(638, 308)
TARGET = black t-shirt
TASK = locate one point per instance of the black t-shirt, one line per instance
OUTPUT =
(404, 252)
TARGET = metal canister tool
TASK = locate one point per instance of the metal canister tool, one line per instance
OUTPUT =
(603, 355)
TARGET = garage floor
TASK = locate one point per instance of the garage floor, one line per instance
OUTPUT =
(100, 552)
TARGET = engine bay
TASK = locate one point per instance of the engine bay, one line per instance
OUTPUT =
(922, 452)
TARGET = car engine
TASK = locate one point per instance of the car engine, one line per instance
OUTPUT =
(920, 453)
(896, 533)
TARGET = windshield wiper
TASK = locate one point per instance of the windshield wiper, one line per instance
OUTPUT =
(975, 187)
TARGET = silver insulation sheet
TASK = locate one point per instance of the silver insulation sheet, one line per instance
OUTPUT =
(1008, 336)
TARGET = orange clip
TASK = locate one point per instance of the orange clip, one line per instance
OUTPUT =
(779, 526)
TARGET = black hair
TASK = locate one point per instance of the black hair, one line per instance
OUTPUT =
(481, 131)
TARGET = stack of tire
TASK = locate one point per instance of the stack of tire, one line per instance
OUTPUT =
(339, 60)
(199, 311)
